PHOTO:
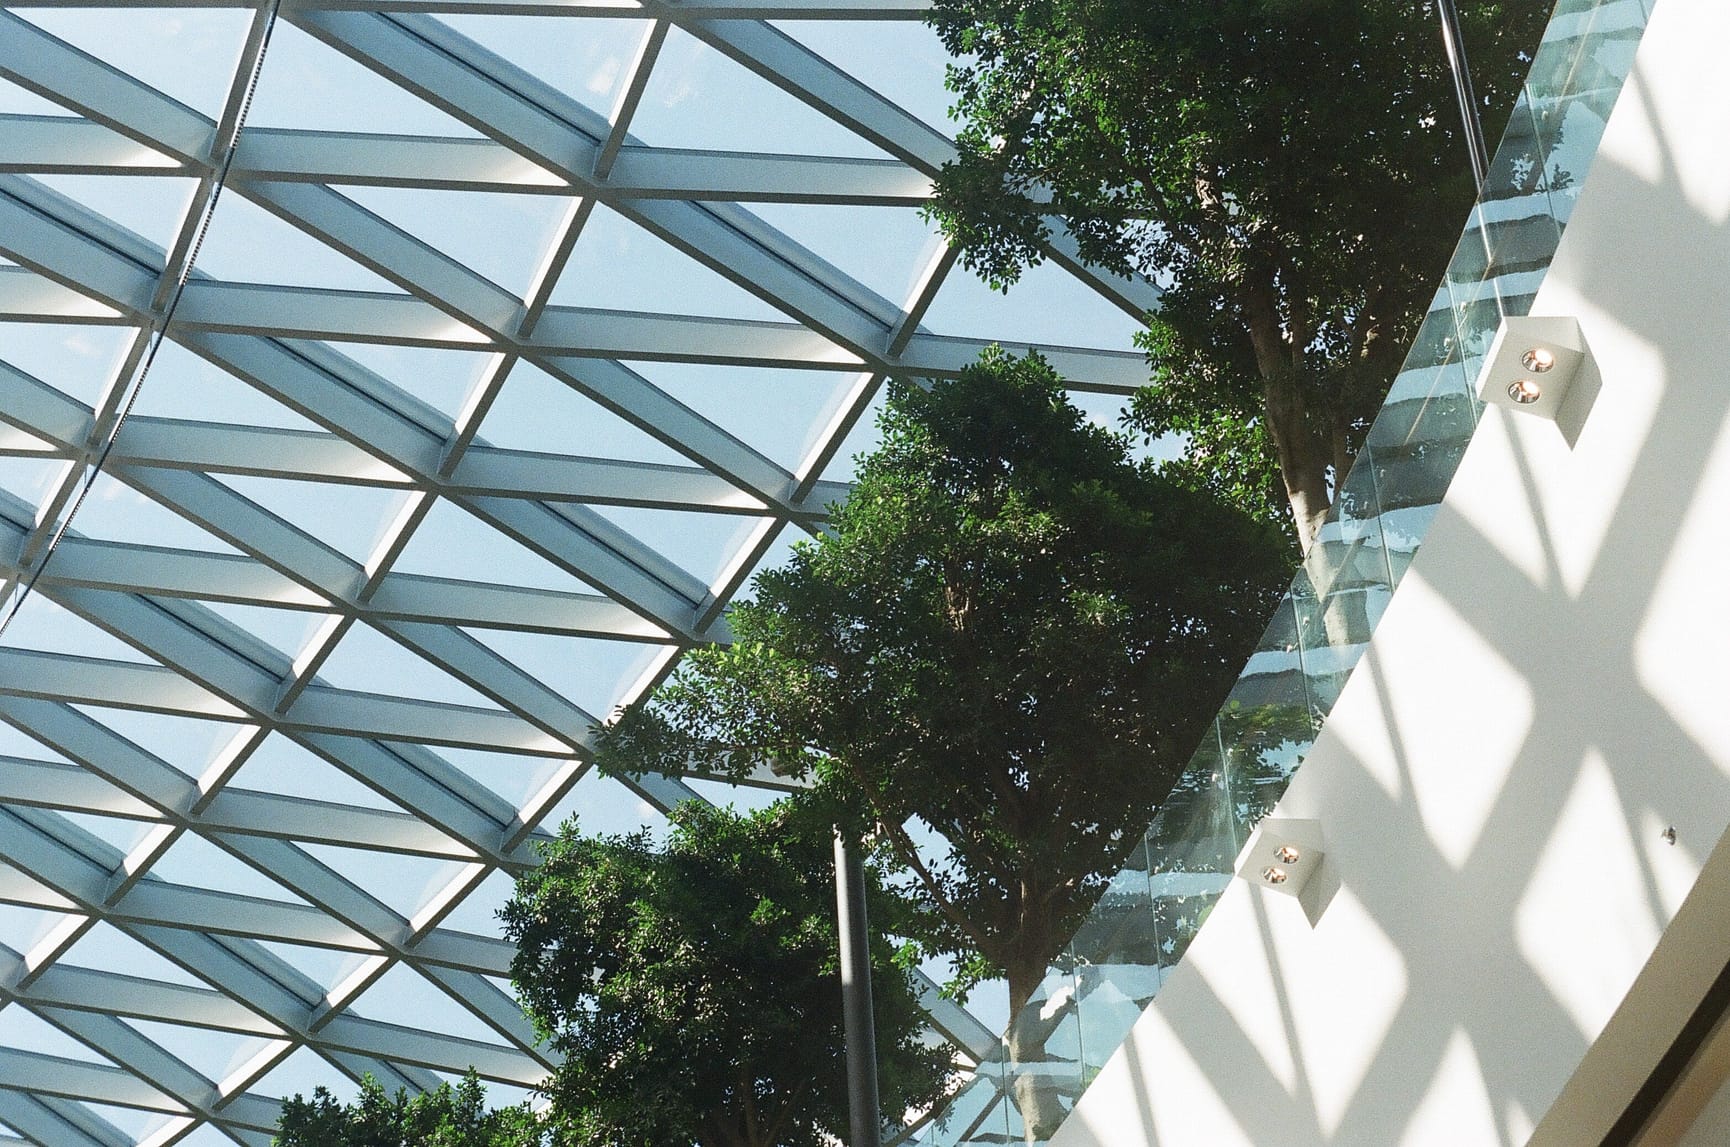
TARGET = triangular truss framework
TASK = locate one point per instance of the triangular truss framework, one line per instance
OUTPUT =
(109, 939)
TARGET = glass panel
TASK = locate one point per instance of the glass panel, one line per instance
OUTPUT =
(698, 98)
(188, 54)
(976, 1114)
(620, 266)
(1116, 961)
(1191, 847)
(1044, 305)
(1263, 731)
(308, 85)
(893, 57)
(587, 60)
(780, 413)
(501, 236)
(902, 242)
(1044, 1066)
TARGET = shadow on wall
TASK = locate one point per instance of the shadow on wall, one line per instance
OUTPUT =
(1589, 661)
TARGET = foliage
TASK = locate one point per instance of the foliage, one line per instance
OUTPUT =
(445, 1117)
(1291, 172)
(1012, 634)
(693, 987)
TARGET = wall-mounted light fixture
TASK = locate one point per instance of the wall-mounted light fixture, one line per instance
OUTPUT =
(1533, 366)
(1283, 853)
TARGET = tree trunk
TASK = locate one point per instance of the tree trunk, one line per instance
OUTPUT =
(1035, 1092)
(1302, 467)
(722, 1130)
(1303, 460)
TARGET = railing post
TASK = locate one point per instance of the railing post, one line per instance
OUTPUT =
(1456, 49)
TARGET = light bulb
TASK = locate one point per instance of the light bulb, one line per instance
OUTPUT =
(1525, 391)
(1273, 874)
(1538, 359)
(1287, 854)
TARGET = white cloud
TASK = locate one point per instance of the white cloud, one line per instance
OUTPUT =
(605, 76)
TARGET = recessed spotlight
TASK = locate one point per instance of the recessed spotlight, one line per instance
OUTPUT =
(1539, 359)
(1532, 366)
(1525, 391)
(1283, 854)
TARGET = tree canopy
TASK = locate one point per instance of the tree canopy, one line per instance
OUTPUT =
(1292, 174)
(692, 987)
(1012, 634)
(444, 1117)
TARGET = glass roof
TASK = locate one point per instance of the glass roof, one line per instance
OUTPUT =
(388, 389)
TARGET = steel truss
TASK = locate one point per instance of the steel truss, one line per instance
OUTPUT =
(69, 265)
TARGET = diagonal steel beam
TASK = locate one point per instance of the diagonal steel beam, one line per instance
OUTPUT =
(560, 134)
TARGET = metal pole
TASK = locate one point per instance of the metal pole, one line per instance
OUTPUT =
(1456, 48)
(867, 1122)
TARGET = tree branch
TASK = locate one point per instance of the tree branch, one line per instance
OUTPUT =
(772, 1134)
(908, 854)
(748, 1099)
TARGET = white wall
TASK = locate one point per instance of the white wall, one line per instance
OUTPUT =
(1548, 691)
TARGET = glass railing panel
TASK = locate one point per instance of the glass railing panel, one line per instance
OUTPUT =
(1574, 82)
(975, 1114)
(1191, 845)
(1117, 957)
(1415, 461)
(1275, 692)
(1518, 168)
(1117, 963)
(1044, 1052)
(1263, 728)
(1433, 345)
(1340, 592)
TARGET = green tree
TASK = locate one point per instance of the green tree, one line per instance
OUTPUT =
(445, 1117)
(693, 987)
(1012, 634)
(1291, 172)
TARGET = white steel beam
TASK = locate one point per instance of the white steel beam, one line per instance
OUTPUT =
(50, 67)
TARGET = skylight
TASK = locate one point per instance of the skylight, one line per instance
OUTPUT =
(492, 353)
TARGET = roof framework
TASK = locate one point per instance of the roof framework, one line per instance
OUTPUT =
(333, 563)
